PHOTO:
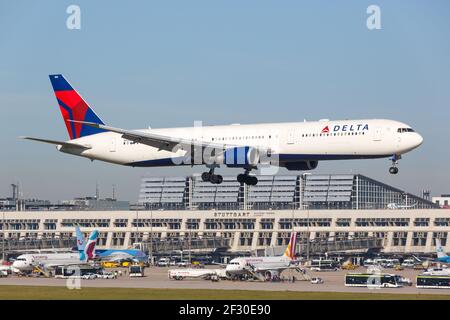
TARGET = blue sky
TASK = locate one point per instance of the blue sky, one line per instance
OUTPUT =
(169, 63)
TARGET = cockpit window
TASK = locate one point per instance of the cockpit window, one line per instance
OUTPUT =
(401, 130)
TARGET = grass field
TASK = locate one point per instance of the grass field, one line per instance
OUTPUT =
(62, 293)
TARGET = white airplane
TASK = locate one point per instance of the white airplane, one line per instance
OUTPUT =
(268, 267)
(294, 145)
(396, 206)
(28, 262)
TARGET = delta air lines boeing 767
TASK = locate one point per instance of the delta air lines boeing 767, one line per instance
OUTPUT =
(294, 145)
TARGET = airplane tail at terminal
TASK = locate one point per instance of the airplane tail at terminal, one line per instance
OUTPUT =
(290, 250)
(80, 240)
(74, 108)
(439, 249)
(89, 250)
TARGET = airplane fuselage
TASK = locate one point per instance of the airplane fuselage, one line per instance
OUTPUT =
(27, 262)
(291, 143)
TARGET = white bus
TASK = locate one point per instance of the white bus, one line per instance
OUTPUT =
(136, 271)
(380, 280)
(433, 281)
(324, 265)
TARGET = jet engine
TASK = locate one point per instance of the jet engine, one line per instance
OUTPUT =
(241, 157)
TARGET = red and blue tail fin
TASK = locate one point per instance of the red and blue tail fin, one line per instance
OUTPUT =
(74, 108)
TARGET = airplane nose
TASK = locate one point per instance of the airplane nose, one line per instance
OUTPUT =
(419, 140)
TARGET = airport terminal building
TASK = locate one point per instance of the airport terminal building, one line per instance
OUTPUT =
(253, 217)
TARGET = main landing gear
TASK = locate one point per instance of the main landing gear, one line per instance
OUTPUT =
(394, 159)
(211, 177)
(247, 179)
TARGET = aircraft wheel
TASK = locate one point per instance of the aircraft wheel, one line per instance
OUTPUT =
(251, 181)
(393, 170)
(241, 178)
(206, 176)
(216, 179)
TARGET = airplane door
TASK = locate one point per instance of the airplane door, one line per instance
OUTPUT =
(378, 134)
(291, 137)
(113, 145)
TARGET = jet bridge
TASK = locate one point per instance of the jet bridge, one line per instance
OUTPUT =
(329, 246)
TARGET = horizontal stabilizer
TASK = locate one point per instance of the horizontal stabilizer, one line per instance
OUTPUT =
(59, 143)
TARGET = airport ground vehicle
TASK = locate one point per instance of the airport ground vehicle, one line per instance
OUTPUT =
(349, 266)
(163, 262)
(214, 278)
(6, 269)
(382, 262)
(182, 263)
(433, 281)
(382, 280)
(180, 274)
(125, 264)
(323, 265)
(202, 260)
(197, 264)
(83, 272)
(136, 270)
(419, 266)
(408, 263)
(3, 273)
(316, 280)
(110, 264)
(172, 263)
(89, 276)
(405, 281)
(106, 275)
(437, 272)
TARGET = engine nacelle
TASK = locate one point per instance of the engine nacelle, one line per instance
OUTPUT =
(241, 157)
(303, 165)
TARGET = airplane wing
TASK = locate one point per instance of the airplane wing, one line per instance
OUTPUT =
(161, 142)
(59, 143)
(173, 144)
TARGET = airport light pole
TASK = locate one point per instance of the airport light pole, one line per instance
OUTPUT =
(307, 232)
(150, 250)
(3, 238)
(304, 204)
(188, 226)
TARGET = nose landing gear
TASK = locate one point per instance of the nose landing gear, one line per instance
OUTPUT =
(394, 159)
